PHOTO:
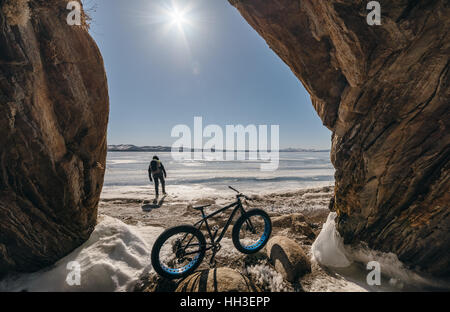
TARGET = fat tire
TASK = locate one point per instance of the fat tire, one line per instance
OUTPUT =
(237, 227)
(164, 237)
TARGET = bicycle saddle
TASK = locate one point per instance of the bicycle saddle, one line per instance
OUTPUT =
(201, 207)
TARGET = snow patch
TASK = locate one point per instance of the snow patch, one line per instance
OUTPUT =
(393, 271)
(112, 259)
(328, 249)
(350, 262)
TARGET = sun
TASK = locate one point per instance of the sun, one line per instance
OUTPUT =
(177, 21)
(177, 17)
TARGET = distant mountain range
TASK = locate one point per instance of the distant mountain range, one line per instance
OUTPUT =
(134, 148)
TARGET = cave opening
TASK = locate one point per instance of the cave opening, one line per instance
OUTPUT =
(380, 87)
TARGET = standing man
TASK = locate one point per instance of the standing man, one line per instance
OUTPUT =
(157, 172)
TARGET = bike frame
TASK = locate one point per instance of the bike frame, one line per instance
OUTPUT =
(238, 207)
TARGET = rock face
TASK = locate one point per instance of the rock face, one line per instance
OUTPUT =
(288, 258)
(383, 92)
(216, 280)
(53, 117)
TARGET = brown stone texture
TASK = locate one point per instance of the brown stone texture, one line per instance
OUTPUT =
(288, 258)
(53, 117)
(383, 92)
(216, 280)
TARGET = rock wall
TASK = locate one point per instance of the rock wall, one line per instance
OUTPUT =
(384, 93)
(53, 118)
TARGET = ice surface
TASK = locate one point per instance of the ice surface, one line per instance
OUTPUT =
(127, 177)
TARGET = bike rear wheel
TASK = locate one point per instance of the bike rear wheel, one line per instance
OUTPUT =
(252, 231)
(178, 251)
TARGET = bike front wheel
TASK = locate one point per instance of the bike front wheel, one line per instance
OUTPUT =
(251, 231)
(178, 251)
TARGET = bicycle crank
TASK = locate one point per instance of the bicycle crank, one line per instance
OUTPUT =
(215, 250)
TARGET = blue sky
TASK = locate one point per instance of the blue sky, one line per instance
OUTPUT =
(213, 65)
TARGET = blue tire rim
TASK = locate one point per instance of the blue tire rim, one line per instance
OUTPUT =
(182, 269)
(263, 238)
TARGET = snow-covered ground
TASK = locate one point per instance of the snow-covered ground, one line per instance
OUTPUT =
(118, 251)
(112, 259)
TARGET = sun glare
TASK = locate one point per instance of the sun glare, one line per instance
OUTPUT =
(177, 17)
(177, 21)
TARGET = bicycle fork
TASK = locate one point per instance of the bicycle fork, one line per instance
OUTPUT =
(250, 226)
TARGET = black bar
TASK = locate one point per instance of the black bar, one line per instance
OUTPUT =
(277, 301)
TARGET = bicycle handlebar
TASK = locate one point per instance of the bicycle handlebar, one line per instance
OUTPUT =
(239, 193)
(234, 190)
